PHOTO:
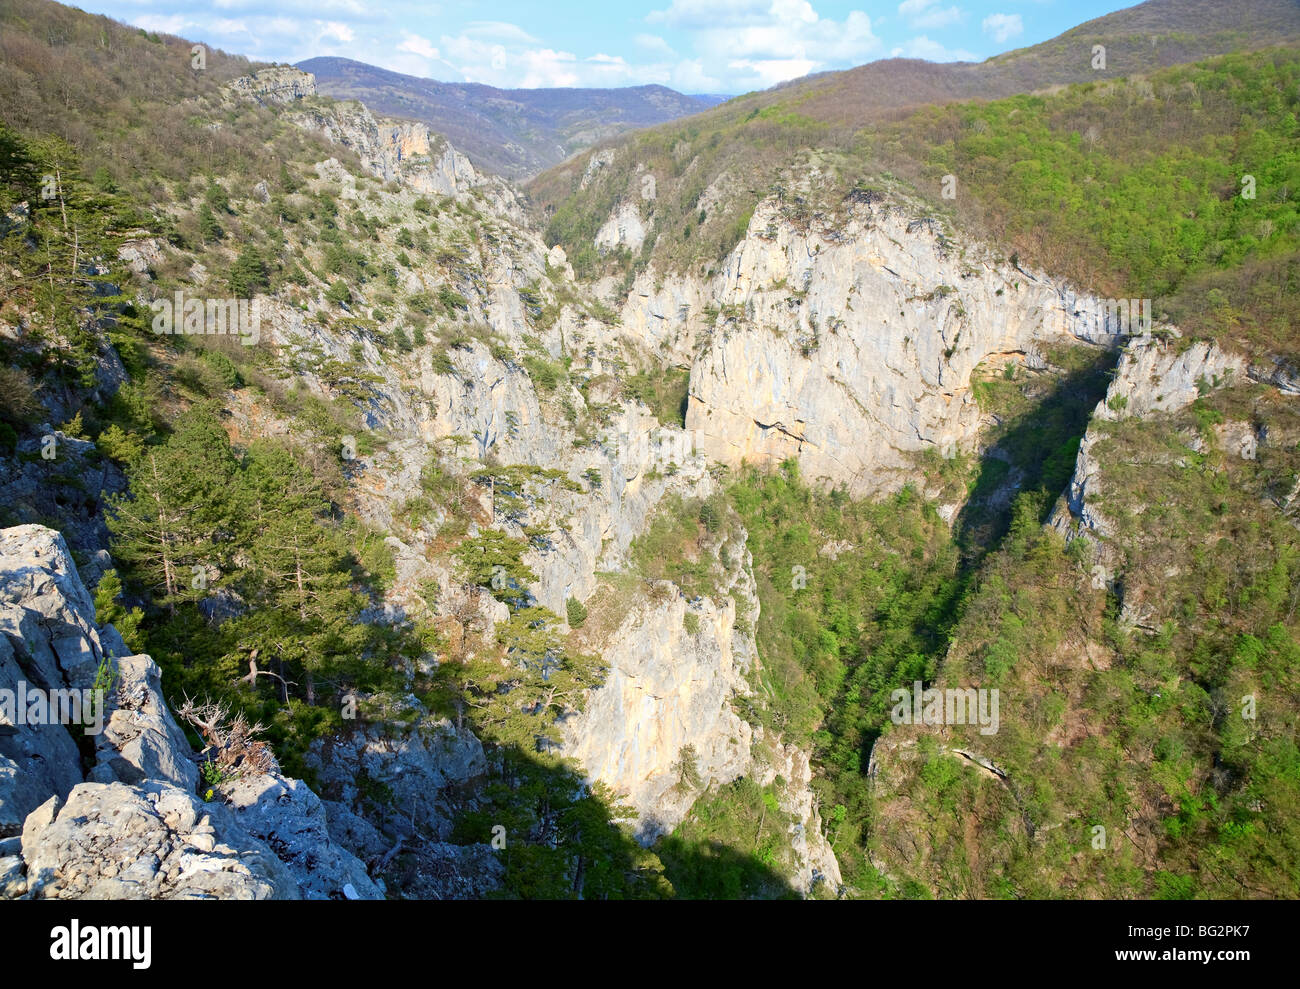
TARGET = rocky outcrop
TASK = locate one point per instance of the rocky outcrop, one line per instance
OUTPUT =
(278, 84)
(677, 666)
(100, 780)
(668, 688)
(850, 347)
(412, 767)
(815, 862)
(118, 842)
(407, 152)
(1154, 375)
(141, 740)
(290, 818)
(624, 228)
(67, 487)
(48, 642)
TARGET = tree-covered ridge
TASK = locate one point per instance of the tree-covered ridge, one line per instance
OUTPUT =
(1180, 187)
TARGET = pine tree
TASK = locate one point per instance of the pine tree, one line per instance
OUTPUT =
(248, 273)
(179, 514)
(297, 577)
(109, 610)
(209, 229)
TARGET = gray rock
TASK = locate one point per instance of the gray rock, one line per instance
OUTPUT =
(354, 832)
(851, 348)
(278, 84)
(142, 740)
(455, 872)
(111, 639)
(414, 765)
(291, 819)
(113, 841)
(13, 877)
(36, 822)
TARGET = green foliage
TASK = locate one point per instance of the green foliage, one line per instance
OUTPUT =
(577, 612)
(201, 524)
(1138, 197)
(451, 300)
(339, 293)
(545, 373)
(109, 610)
(678, 547)
(705, 857)
(248, 273)
(663, 390)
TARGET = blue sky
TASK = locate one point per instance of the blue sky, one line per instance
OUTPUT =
(697, 46)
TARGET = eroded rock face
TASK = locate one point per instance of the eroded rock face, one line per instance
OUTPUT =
(48, 642)
(667, 688)
(34, 487)
(141, 740)
(850, 348)
(278, 84)
(290, 819)
(407, 152)
(118, 842)
(624, 228)
(1153, 376)
(411, 765)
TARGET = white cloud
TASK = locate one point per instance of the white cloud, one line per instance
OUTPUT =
(762, 42)
(499, 31)
(337, 31)
(494, 64)
(348, 8)
(416, 45)
(771, 71)
(653, 44)
(699, 14)
(1002, 27)
(927, 13)
(171, 24)
(931, 51)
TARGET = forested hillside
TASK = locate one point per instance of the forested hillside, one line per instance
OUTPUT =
(577, 547)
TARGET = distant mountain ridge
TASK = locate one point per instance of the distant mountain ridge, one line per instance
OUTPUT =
(516, 133)
(739, 148)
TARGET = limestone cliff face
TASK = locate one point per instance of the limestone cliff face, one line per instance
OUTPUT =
(667, 689)
(850, 347)
(669, 686)
(406, 151)
(114, 812)
(624, 228)
(1153, 376)
(278, 84)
